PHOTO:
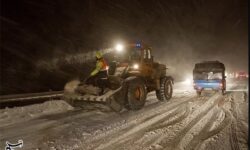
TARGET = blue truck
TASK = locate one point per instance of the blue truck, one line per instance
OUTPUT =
(209, 75)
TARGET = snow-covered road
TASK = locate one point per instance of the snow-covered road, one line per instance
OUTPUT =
(211, 121)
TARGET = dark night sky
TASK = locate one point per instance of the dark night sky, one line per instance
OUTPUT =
(181, 32)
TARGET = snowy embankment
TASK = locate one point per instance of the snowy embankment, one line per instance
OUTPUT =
(14, 115)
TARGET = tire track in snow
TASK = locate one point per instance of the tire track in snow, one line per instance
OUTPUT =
(34, 129)
(150, 133)
(159, 130)
(153, 133)
(206, 132)
(195, 130)
(182, 114)
(189, 123)
(131, 117)
(233, 136)
(111, 144)
(143, 123)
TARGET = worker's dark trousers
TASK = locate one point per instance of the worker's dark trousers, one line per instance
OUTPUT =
(93, 80)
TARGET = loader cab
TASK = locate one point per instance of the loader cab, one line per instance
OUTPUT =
(141, 61)
(135, 53)
(137, 58)
(141, 53)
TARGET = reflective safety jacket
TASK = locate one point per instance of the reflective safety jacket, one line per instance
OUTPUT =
(101, 65)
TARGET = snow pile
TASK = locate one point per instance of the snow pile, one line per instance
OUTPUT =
(18, 114)
(71, 86)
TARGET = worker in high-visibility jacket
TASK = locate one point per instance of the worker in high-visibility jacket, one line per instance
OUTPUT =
(100, 70)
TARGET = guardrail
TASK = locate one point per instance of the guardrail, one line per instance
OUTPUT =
(29, 98)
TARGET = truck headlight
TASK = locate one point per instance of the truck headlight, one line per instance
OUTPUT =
(188, 81)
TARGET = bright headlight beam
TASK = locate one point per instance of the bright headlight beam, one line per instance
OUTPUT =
(119, 47)
(188, 81)
(135, 66)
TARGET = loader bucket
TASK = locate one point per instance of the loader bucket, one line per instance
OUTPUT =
(75, 93)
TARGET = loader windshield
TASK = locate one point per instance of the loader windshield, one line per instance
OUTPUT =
(130, 54)
(135, 54)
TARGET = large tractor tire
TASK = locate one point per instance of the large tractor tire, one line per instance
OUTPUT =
(137, 94)
(166, 89)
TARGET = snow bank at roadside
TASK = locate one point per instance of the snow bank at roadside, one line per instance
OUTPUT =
(10, 116)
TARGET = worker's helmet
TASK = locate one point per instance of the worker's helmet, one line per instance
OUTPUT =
(98, 55)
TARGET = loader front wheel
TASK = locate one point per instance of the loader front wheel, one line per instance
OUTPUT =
(166, 90)
(136, 94)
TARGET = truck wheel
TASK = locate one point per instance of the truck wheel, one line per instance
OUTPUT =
(166, 90)
(223, 92)
(198, 93)
(136, 94)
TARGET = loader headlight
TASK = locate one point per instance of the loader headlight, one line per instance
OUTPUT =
(135, 66)
(119, 47)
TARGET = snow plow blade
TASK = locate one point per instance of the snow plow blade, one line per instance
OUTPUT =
(73, 96)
